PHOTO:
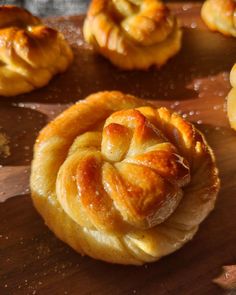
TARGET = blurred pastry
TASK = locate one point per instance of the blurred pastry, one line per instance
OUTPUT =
(30, 52)
(227, 279)
(132, 34)
(231, 100)
(220, 15)
(122, 181)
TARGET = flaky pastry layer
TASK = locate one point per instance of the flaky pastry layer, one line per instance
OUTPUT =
(220, 15)
(30, 52)
(132, 34)
(122, 181)
(231, 100)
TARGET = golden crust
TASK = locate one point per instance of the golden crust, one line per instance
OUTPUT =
(231, 100)
(220, 15)
(30, 52)
(132, 34)
(122, 181)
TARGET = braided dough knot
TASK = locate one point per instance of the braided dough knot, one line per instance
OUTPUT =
(132, 33)
(122, 180)
(30, 52)
(146, 22)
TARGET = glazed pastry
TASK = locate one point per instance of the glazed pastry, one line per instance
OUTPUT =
(122, 181)
(220, 15)
(30, 52)
(132, 34)
(231, 100)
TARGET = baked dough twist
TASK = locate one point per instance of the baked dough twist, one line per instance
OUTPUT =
(122, 181)
(220, 15)
(231, 100)
(132, 34)
(30, 52)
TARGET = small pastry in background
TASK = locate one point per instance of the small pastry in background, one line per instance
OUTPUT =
(132, 34)
(30, 52)
(122, 181)
(220, 15)
(231, 100)
(227, 279)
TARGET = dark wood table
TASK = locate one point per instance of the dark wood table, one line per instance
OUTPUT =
(195, 84)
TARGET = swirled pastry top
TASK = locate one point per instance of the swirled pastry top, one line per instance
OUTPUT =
(220, 15)
(132, 33)
(30, 52)
(119, 171)
(231, 100)
(126, 173)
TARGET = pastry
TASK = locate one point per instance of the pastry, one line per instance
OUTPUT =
(132, 34)
(220, 15)
(227, 279)
(30, 52)
(122, 181)
(231, 100)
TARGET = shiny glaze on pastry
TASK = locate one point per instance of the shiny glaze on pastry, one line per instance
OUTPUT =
(220, 15)
(122, 181)
(231, 100)
(30, 52)
(132, 34)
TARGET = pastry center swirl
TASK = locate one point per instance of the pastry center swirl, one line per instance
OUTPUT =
(144, 22)
(128, 173)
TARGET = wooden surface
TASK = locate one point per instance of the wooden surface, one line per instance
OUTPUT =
(194, 83)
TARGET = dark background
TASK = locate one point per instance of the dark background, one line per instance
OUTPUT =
(57, 7)
(51, 7)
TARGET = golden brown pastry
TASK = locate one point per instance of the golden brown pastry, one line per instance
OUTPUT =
(122, 181)
(220, 15)
(231, 101)
(132, 34)
(30, 52)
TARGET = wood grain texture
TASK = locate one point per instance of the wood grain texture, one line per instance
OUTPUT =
(194, 83)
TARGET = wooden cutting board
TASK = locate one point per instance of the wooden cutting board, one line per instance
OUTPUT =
(194, 83)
